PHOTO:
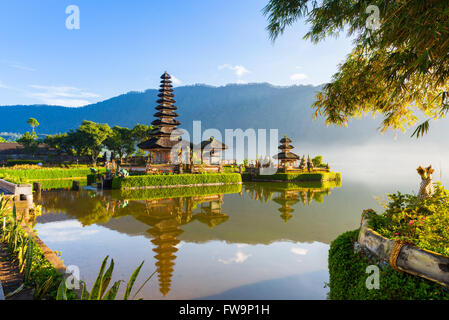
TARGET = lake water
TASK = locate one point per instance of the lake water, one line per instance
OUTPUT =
(255, 241)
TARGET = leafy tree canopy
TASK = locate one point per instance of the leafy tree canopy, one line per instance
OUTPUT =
(29, 141)
(89, 138)
(121, 141)
(396, 70)
(141, 132)
(33, 123)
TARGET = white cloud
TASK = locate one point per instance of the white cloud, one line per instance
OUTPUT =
(240, 257)
(2, 85)
(298, 76)
(16, 65)
(62, 95)
(64, 231)
(21, 67)
(299, 251)
(239, 70)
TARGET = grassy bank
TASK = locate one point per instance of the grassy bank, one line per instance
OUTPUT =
(50, 178)
(143, 181)
(347, 277)
(164, 193)
(296, 177)
(38, 272)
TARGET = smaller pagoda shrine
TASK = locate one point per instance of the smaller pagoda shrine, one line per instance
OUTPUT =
(286, 159)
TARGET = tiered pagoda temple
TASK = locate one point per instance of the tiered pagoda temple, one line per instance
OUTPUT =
(165, 144)
(163, 139)
(285, 157)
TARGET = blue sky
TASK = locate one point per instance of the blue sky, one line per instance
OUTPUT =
(125, 46)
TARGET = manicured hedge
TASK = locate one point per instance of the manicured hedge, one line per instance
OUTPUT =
(295, 177)
(178, 179)
(164, 193)
(45, 173)
(347, 277)
(12, 162)
(60, 184)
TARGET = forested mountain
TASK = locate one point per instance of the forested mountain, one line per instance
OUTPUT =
(258, 106)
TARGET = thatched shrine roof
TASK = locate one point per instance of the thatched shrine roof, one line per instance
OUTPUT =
(213, 144)
(285, 140)
(286, 156)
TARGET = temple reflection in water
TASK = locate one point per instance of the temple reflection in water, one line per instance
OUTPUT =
(168, 217)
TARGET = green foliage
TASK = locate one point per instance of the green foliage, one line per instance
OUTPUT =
(317, 161)
(121, 141)
(295, 177)
(33, 123)
(179, 179)
(141, 132)
(164, 193)
(38, 271)
(63, 143)
(347, 277)
(99, 290)
(57, 184)
(422, 222)
(12, 162)
(29, 141)
(45, 173)
(401, 66)
(91, 136)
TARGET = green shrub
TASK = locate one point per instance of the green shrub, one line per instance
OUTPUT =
(317, 161)
(423, 222)
(179, 179)
(60, 184)
(45, 173)
(347, 277)
(297, 177)
(12, 162)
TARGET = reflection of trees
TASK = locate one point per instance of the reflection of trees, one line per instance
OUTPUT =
(164, 216)
(289, 194)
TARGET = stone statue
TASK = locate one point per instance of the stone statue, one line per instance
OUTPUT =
(426, 188)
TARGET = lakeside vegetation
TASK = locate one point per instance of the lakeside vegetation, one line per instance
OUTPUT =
(90, 139)
(49, 178)
(142, 181)
(422, 222)
(38, 272)
(347, 277)
(298, 177)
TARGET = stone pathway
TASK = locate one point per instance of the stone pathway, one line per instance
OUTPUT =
(10, 277)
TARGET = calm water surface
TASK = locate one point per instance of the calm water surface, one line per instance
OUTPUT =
(255, 241)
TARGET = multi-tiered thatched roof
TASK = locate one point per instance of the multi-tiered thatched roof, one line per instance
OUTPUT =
(166, 122)
(285, 156)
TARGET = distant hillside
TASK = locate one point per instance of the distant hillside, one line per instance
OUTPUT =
(233, 106)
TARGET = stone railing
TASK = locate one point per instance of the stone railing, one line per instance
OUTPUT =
(21, 191)
(403, 256)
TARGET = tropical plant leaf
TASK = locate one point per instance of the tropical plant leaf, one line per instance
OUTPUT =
(107, 278)
(62, 291)
(112, 293)
(131, 281)
(144, 284)
(422, 129)
(96, 290)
